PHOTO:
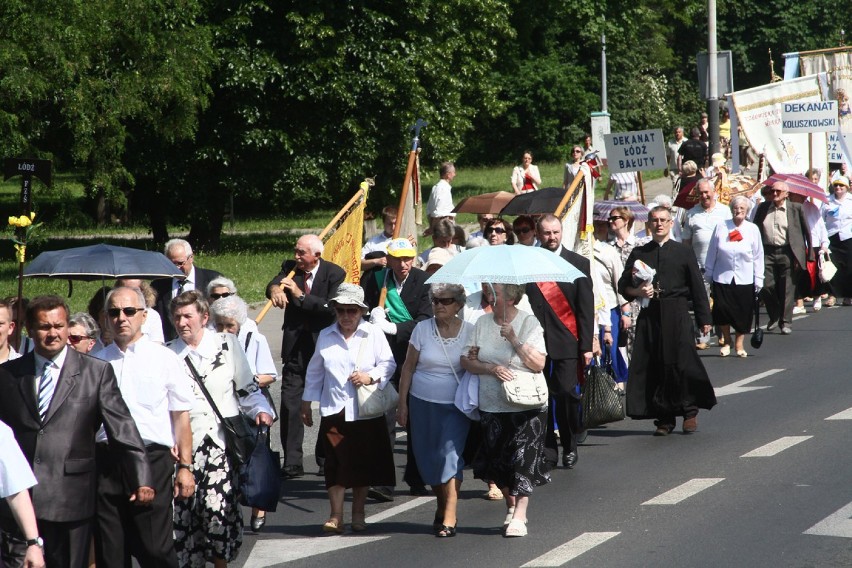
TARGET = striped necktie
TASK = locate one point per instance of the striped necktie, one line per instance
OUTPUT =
(46, 386)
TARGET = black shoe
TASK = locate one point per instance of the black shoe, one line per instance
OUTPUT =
(446, 532)
(292, 471)
(321, 471)
(257, 523)
(384, 494)
(581, 437)
(569, 460)
(418, 490)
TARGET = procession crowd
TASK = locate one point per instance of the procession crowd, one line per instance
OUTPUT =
(119, 413)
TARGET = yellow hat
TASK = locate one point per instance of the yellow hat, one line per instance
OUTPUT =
(401, 248)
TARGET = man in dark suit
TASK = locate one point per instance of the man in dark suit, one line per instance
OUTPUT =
(566, 312)
(180, 253)
(54, 399)
(406, 303)
(786, 241)
(304, 294)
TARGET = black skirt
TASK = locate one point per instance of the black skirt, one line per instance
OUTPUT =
(733, 305)
(357, 454)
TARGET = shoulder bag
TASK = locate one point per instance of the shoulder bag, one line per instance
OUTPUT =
(527, 390)
(240, 430)
(373, 401)
(463, 399)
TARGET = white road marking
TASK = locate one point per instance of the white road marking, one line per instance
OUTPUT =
(274, 551)
(797, 318)
(408, 505)
(571, 549)
(845, 415)
(738, 386)
(836, 524)
(776, 447)
(681, 492)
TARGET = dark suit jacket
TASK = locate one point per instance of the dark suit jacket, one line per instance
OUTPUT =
(798, 231)
(163, 286)
(311, 315)
(415, 296)
(61, 450)
(560, 342)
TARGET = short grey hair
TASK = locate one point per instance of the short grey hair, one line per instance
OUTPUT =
(175, 243)
(221, 282)
(513, 292)
(139, 295)
(87, 322)
(232, 307)
(314, 242)
(455, 290)
(736, 199)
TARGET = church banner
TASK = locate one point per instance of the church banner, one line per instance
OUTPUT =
(343, 248)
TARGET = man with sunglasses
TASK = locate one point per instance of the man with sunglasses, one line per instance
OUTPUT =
(159, 396)
(179, 252)
(303, 286)
(54, 399)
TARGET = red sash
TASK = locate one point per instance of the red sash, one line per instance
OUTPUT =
(559, 303)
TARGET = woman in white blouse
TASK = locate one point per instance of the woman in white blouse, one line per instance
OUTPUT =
(209, 527)
(349, 354)
(735, 265)
(526, 177)
(837, 214)
(431, 374)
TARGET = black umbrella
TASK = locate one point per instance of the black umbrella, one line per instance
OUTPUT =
(541, 201)
(99, 262)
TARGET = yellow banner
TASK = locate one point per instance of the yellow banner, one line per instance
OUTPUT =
(343, 248)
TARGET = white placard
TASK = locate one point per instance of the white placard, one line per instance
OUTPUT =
(835, 151)
(640, 150)
(809, 116)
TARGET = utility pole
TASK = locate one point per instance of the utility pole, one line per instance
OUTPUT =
(713, 84)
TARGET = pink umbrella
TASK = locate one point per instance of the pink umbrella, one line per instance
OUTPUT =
(798, 183)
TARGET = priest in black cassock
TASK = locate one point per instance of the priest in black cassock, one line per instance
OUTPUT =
(666, 377)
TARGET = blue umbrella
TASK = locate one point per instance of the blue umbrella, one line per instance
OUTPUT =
(99, 262)
(505, 264)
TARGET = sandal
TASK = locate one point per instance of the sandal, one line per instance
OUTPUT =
(333, 525)
(510, 512)
(493, 494)
(446, 531)
(438, 522)
(358, 524)
(516, 528)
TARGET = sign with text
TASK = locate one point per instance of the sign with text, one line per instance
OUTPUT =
(835, 151)
(813, 116)
(635, 151)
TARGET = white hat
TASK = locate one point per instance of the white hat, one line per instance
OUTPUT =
(840, 180)
(401, 247)
(438, 257)
(348, 295)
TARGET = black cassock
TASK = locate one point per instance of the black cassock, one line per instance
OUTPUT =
(666, 377)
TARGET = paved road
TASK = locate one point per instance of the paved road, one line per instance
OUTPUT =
(765, 482)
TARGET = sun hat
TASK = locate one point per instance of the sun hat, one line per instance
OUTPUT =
(438, 257)
(348, 295)
(401, 247)
(840, 180)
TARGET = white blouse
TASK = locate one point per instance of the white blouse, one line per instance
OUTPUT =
(15, 472)
(838, 217)
(741, 261)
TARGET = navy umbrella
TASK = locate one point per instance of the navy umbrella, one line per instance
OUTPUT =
(99, 262)
(544, 200)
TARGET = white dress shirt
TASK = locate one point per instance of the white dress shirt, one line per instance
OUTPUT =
(440, 202)
(334, 360)
(152, 383)
(153, 326)
(819, 232)
(376, 243)
(838, 217)
(741, 261)
(189, 284)
(55, 367)
(699, 226)
(15, 472)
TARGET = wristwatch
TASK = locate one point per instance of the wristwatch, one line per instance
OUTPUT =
(37, 541)
(187, 466)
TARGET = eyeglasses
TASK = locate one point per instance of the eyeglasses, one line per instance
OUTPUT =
(523, 230)
(443, 301)
(180, 263)
(498, 230)
(75, 339)
(659, 221)
(129, 312)
(578, 151)
(614, 218)
(347, 310)
(222, 295)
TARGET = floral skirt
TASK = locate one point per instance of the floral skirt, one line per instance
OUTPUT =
(209, 524)
(512, 451)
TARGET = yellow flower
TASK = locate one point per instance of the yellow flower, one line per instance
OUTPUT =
(32, 215)
(21, 252)
(13, 221)
(24, 221)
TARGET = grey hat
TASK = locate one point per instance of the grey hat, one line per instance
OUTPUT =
(348, 295)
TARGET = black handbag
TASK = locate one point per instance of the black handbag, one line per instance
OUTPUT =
(603, 401)
(240, 430)
(757, 336)
(260, 477)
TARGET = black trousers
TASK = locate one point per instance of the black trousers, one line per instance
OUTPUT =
(562, 381)
(779, 287)
(289, 414)
(124, 529)
(66, 545)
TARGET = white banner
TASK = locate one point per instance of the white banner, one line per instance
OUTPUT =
(759, 112)
(837, 64)
(635, 151)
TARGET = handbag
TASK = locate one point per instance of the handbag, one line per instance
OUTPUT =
(372, 400)
(259, 477)
(527, 389)
(603, 401)
(827, 269)
(240, 430)
(757, 336)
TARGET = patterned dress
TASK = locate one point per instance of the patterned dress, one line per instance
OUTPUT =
(624, 250)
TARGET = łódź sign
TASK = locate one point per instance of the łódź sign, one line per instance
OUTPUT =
(807, 117)
(641, 150)
(27, 168)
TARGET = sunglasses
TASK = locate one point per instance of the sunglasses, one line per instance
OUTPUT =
(348, 310)
(222, 295)
(75, 339)
(180, 263)
(129, 312)
(524, 230)
(615, 218)
(498, 230)
(443, 301)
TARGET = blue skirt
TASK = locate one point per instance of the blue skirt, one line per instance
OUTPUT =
(438, 435)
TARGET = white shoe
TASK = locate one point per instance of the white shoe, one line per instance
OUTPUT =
(818, 304)
(798, 310)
